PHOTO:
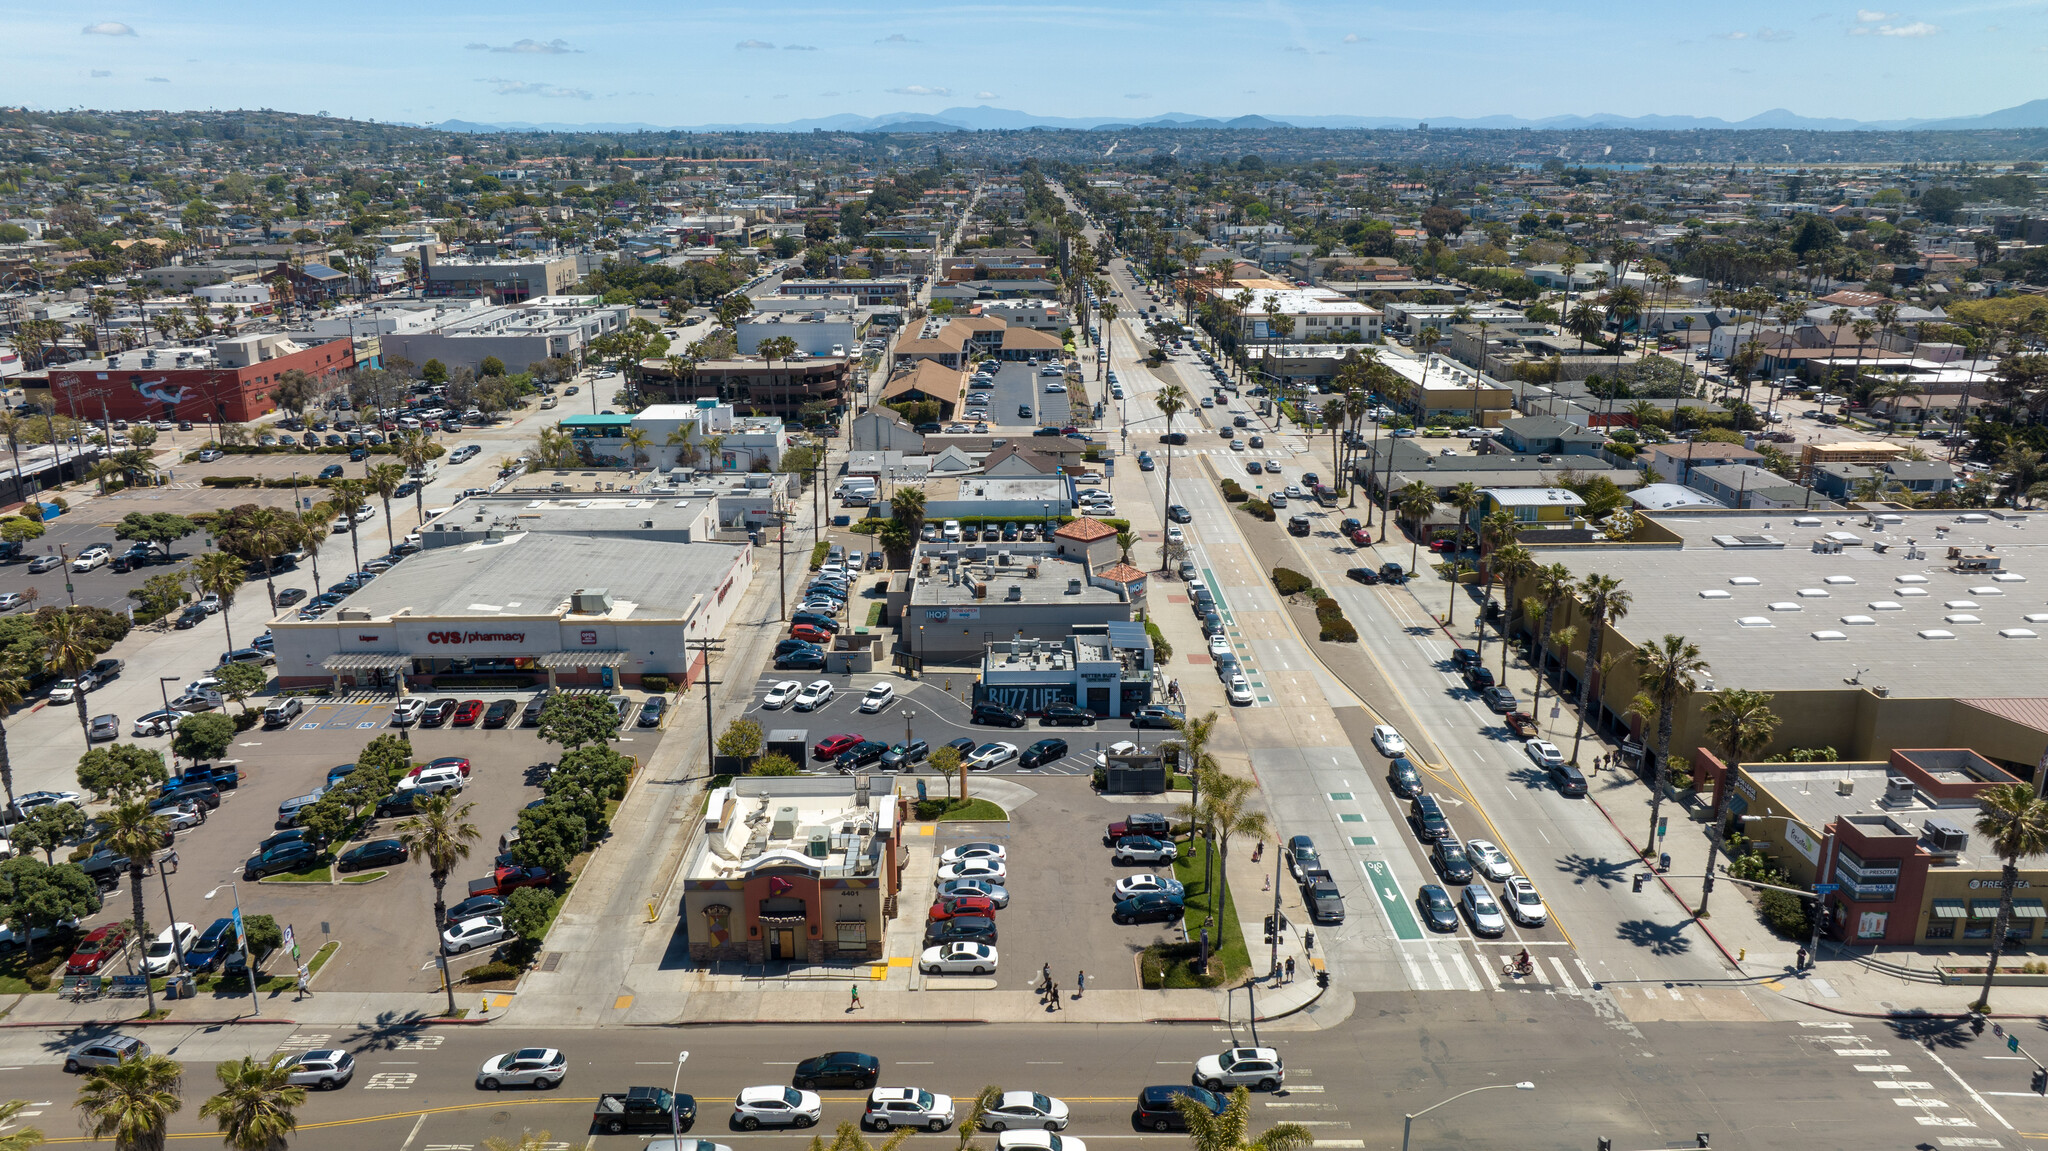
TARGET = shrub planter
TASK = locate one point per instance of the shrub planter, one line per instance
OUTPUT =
(2006, 976)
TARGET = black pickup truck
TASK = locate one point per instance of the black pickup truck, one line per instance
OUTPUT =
(644, 1109)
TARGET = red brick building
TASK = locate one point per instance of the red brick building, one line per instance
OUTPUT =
(230, 381)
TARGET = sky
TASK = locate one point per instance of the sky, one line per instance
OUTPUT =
(681, 62)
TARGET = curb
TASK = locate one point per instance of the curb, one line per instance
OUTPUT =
(1664, 883)
(810, 1022)
(67, 1025)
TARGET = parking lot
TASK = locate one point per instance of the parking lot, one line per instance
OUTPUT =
(1019, 386)
(926, 709)
(385, 927)
(1061, 883)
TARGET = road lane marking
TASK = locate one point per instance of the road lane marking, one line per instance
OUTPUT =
(1392, 905)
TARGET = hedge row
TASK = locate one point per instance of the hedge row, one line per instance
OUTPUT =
(1287, 581)
(1233, 493)
(1336, 629)
(264, 482)
(1258, 509)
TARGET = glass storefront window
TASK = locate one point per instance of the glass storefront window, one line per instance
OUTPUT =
(1977, 928)
(1941, 929)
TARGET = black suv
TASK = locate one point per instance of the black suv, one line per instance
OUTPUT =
(838, 1069)
(1428, 816)
(1043, 752)
(1464, 657)
(1067, 714)
(1478, 678)
(1570, 782)
(1392, 573)
(1403, 778)
(1450, 861)
(1499, 700)
(997, 715)
(960, 929)
(861, 754)
(1156, 1110)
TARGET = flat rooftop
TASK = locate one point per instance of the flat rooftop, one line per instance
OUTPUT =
(1050, 586)
(1811, 791)
(1770, 613)
(535, 573)
(830, 825)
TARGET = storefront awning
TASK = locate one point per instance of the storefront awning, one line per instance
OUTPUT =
(1983, 909)
(2029, 909)
(556, 661)
(367, 661)
(1949, 909)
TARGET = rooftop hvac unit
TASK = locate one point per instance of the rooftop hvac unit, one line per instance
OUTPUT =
(784, 824)
(1898, 791)
(1943, 837)
(1016, 592)
(1073, 587)
(818, 844)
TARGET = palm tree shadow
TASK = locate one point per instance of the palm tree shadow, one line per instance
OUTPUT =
(1931, 1030)
(1657, 938)
(1606, 872)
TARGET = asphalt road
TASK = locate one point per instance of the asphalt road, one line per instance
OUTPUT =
(1774, 1085)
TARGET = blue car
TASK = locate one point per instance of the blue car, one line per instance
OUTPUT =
(213, 945)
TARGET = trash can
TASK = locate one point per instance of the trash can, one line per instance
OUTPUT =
(178, 987)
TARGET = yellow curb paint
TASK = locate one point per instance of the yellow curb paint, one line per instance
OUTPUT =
(622, 1002)
(928, 829)
(900, 961)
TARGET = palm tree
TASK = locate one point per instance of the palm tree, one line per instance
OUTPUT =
(70, 648)
(680, 438)
(440, 834)
(14, 687)
(255, 1103)
(1466, 498)
(220, 574)
(1171, 401)
(1223, 810)
(1553, 583)
(311, 533)
(1229, 1129)
(1742, 723)
(636, 441)
(134, 831)
(384, 480)
(1124, 540)
(1605, 603)
(2014, 824)
(1510, 564)
(132, 1101)
(348, 496)
(1667, 669)
(1415, 501)
(416, 451)
(25, 1138)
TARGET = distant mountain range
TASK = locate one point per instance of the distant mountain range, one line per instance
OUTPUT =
(2033, 114)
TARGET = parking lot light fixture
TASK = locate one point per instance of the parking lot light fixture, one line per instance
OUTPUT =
(1408, 1120)
(242, 937)
(163, 687)
(675, 1121)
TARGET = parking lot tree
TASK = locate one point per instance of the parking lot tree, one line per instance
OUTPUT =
(742, 740)
(528, 911)
(70, 647)
(14, 687)
(264, 934)
(550, 835)
(160, 594)
(295, 390)
(158, 529)
(239, 681)
(258, 534)
(35, 895)
(21, 529)
(774, 763)
(946, 761)
(440, 836)
(392, 753)
(256, 1103)
(575, 720)
(121, 771)
(384, 480)
(135, 831)
(434, 372)
(218, 573)
(330, 819)
(204, 736)
(48, 828)
(597, 769)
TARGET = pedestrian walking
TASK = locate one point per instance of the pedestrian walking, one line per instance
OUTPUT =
(1258, 851)
(1044, 979)
(856, 998)
(1055, 997)
(171, 863)
(1290, 969)
(304, 984)
(1269, 884)
(1080, 983)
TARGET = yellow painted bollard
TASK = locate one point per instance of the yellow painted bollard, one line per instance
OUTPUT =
(651, 917)
(1741, 954)
(483, 1005)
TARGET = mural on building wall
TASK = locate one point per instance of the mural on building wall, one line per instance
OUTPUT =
(718, 924)
(1026, 697)
(156, 390)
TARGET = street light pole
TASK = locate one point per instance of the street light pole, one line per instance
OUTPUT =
(163, 683)
(1408, 1120)
(242, 938)
(177, 946)
(675, 1121)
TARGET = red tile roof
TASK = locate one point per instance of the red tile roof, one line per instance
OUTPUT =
(1086, 529)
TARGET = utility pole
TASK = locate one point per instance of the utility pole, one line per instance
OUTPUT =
(706, 647)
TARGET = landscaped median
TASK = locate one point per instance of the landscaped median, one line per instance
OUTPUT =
(1331, 626)
(1172, 965)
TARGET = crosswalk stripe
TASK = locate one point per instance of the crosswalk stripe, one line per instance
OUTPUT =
(1585, 971)
(1465, 971)
(1563, 976)
(1442, 977)
(1414, 972)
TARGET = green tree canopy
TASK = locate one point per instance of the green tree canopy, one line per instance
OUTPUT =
(205, 736)
(158, 529)
(575, 720)
(36, 895)
(121, 771)
(48, 828)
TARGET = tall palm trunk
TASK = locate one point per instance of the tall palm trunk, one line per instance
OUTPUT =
(6, 766)
(135, 867)
(2008, 878)
(1594, 636)
(1662, 767)
(440, 879)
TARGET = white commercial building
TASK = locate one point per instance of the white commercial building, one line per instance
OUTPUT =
(1315, 312)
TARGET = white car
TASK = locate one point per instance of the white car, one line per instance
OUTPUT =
(1389, 741)
(183, 816)
(541, 1067)
(781, 694)
(990, 755)
(471, 934)
(957, 959)
(975, 851)
(1037, 1141)
(893, 1107)
(157, 723)
(817, 694)
(1523, 903)
(1239, 689)
(776, 1106)
(164, 950)
(992, 870)
(878, 697)
(1489, 859)
(88, 560)
(325, 1069)
(1056, 387)
(1144, 849)
(1026, 1109)
(1542, 754)
(1255, 1067)
(432, 781)
(1174, 535)
(407, 711)
(1220, 645)
(1147, 884)
(66, 691)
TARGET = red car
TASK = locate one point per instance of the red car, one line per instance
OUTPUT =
(1361, 537)
(466, 715)
(97, 949)
(1443, 545)
(810, 634)
(963, 905)
(454, 761)
(506, 880)
(831, 746)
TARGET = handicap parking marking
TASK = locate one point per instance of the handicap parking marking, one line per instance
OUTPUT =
(371, 723)
(314, 726)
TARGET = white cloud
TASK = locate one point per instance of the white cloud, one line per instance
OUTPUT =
(1353, 38)
(919, 90)
(529, 48)
(1735, 36)
(896, 38)
(1918, 28)
(799, 48)
(158, 79)
(1773, 35)
(99, 74)
(1866, 16)
(753, 45)
(986, 96)
(505, 87)
(1295, 48)
(108, 28)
